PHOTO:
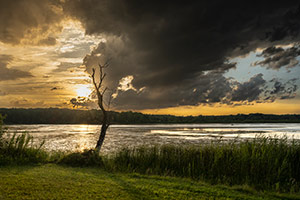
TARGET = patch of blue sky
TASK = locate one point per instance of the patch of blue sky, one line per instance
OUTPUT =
(245, 70)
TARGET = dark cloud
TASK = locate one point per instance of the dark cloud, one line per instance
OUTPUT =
(277, 57)
(177, 51)
(250, 90)
(210, 88)
(33, 20)
(278, 87)
(282, 90)
(10, 73)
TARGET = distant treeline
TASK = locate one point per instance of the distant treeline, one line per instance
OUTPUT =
(67, 116)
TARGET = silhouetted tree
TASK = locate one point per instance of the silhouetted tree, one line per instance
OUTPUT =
(100, 91)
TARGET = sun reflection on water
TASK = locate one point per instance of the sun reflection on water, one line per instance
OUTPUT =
(80, 137)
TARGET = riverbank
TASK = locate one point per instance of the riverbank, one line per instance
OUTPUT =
(270, 166)
(51, 181)
(265, 164)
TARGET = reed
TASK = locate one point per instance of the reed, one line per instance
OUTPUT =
(19, 149)
(263, 163)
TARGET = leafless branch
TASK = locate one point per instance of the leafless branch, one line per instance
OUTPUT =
(103, 92)
(94, 81)
(101, 74)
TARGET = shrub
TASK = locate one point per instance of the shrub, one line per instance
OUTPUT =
(82, 159)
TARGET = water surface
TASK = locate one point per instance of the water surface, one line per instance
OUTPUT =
(79, 137)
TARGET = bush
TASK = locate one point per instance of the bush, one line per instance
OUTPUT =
(82, 159)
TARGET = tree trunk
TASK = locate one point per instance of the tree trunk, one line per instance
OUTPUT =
(100, 141)
(104, 126)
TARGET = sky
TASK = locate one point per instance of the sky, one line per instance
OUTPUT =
(165, 57)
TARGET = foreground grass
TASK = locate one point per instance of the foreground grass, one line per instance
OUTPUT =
(52, 181)
(263, 163)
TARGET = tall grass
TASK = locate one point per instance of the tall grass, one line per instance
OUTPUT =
(19, 149)
(263, 163)
(2, 129)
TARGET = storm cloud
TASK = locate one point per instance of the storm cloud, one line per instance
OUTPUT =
(178, 51)
(250, 90)
(10, 73)
(30, 21)
(282, 90)
(276, 58)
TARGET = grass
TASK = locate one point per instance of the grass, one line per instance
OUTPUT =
(51, 181)
(263, 163)
(19, 149)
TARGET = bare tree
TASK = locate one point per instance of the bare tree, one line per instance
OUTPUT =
(100, 91)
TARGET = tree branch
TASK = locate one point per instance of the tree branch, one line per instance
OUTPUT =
(104, 91)
(93, 77)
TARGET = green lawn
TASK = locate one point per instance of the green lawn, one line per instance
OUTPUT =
(52, 181)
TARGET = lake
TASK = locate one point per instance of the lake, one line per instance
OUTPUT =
(79, 137)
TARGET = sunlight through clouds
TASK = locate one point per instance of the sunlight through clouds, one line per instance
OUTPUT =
(54, 66)
(83, 90)
(225, 54)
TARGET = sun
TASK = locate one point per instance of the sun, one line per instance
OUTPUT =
(83, 90)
